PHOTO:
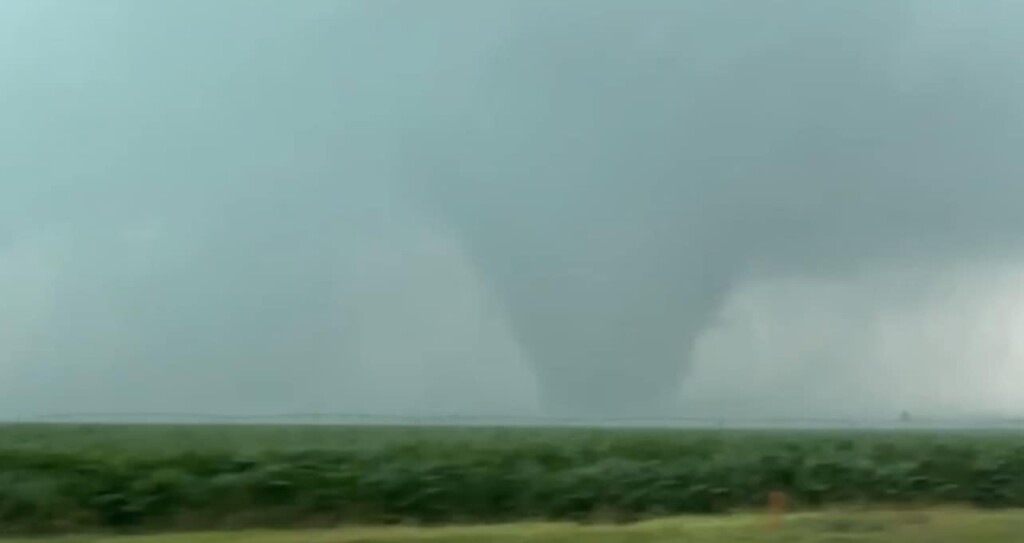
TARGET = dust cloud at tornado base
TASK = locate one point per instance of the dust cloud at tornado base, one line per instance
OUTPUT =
(847, 347)
(140, 210)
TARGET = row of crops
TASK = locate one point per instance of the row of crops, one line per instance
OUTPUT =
(85, 478)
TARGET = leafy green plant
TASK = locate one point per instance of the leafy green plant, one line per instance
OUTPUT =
(69, 478)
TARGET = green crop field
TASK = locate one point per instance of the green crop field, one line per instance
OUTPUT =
(121, 478)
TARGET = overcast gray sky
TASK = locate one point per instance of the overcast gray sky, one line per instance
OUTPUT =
(511, 207)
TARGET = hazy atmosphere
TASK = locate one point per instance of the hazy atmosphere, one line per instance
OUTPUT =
(512, 207)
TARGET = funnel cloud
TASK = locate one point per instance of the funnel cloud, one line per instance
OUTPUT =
(625, 165)
(215, 196)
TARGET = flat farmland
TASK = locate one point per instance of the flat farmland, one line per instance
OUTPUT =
(129, 478)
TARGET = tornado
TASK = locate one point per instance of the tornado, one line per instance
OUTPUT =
(203, 178)
(614, 171)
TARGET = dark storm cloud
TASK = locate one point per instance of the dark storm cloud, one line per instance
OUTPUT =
(203, 181)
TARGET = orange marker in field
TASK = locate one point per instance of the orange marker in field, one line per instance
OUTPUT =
(776, 508)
